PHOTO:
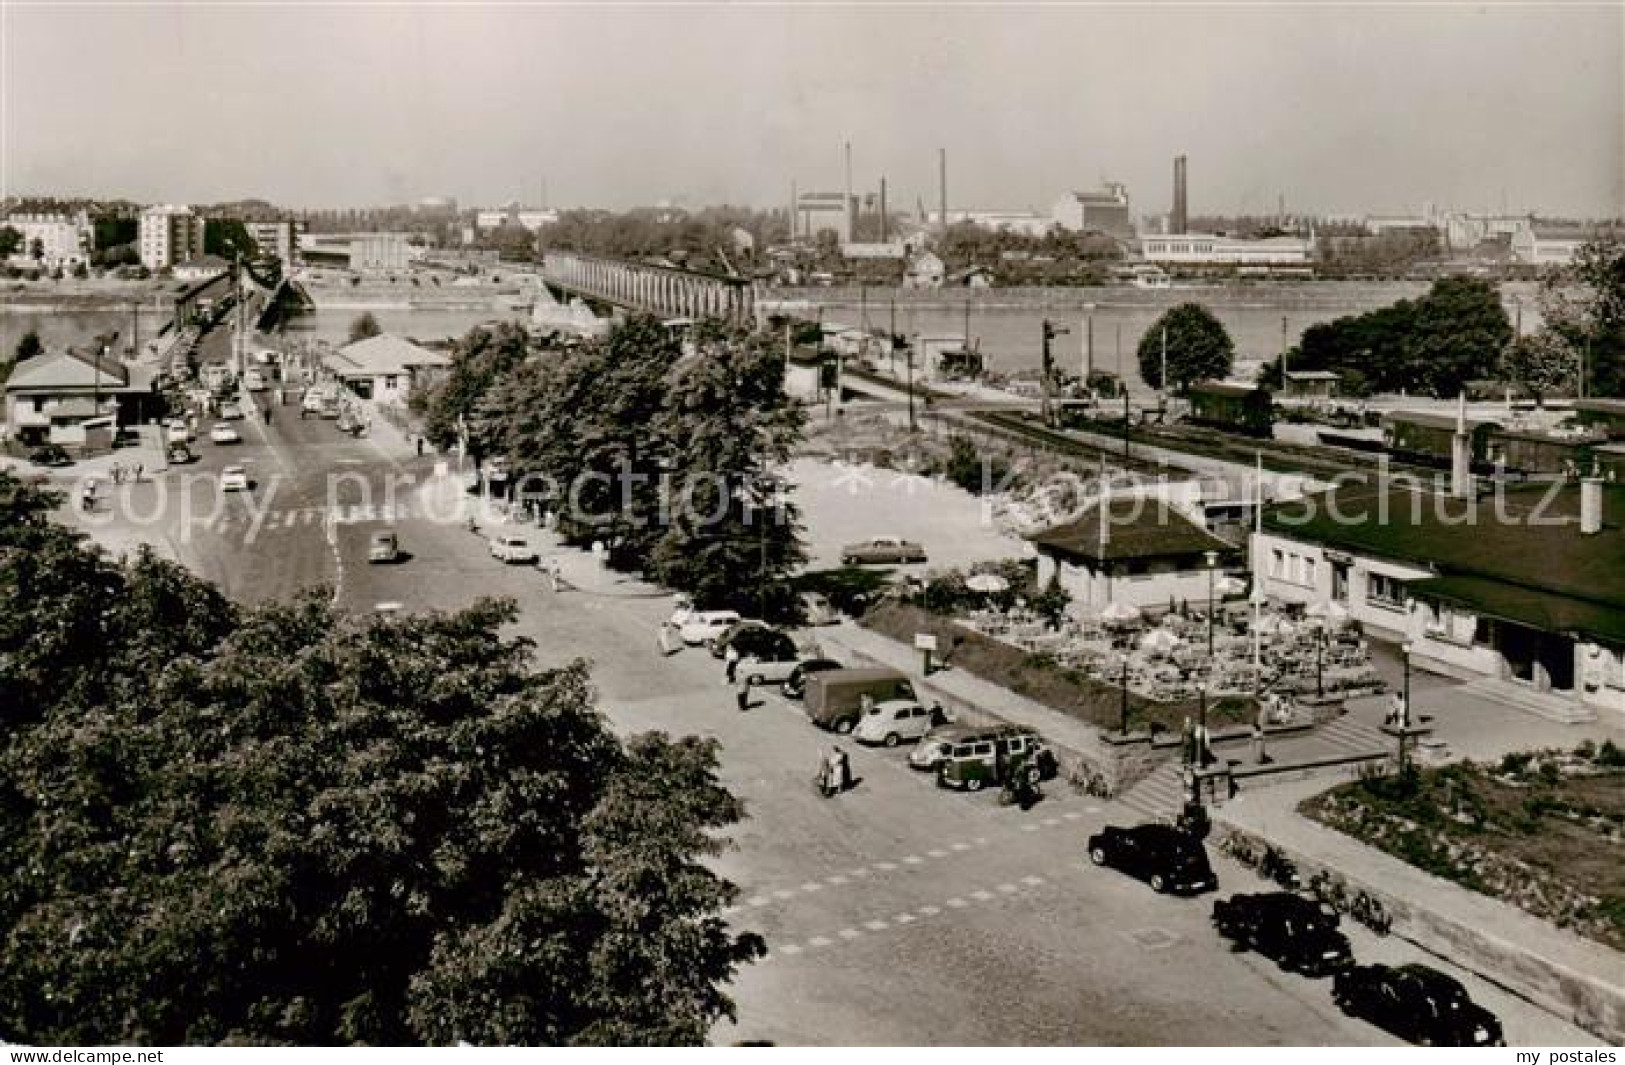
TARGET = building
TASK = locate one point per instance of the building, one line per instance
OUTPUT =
(1144, 554)
(1536, 244)
(511, 214)
(890, 250)
(1025, 223)
(1206, 249)
(1523, 592)
(202, 268)
(925, 270)
(1464, 232)
(64, 238)
(1102, 211)
(68, 397)
(385, 368)
(169, 234)
(1310, 384)
(280, 239)
(820, 211)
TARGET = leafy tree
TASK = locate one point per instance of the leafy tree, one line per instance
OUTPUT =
(282, 824)
(29, 346)
(1584, 306)
(229, 238)
(364, 326)
(11, 240)
(1199, 348)
(1541, 363)
(480, 360)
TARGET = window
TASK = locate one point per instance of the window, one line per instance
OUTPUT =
(389, 382)
(1277, 563)
(1384, 591)
(1308, 570)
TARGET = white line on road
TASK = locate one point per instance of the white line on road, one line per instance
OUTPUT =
(876, 926)
(789, 948)
(819, 941)
(981, 896)
(957, 903)
(756, 900)
(849, 933)
(812, 885)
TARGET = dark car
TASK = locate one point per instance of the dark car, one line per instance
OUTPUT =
(1418, 1004)
(748, 637)
(1161, 855)
(51, 455)
(795, 685)
(1297, 934)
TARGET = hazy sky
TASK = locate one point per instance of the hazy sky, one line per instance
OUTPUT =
(1338, 108)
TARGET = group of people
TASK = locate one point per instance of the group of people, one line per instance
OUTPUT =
(121, 472)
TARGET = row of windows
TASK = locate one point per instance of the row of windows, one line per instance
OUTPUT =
(1293, 567)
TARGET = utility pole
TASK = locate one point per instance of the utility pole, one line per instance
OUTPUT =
(1050, 333)
(1162, 393)
(912, 339)
(1283, 353)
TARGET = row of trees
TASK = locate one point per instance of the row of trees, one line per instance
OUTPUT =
(669, 458)
(283, 824)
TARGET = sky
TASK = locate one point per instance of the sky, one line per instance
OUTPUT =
(1337, 109)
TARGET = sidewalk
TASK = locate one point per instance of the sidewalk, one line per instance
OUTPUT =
(1571, 976)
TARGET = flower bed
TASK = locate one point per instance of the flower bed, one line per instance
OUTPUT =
(1040, 678)
(1541, 831)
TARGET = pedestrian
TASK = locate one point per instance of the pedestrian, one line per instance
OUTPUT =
(669, 645)
(732, 657)
(939, 717)
(420, 446)
(139, 469)
(742, 694)
(1260, 756)
(117, 472)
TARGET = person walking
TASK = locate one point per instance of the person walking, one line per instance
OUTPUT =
(139, 470)
(732, 656)
(742, 693)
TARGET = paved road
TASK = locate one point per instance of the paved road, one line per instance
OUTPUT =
(895, 914)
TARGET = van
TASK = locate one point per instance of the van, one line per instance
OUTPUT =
(986, 758)
(834, 698)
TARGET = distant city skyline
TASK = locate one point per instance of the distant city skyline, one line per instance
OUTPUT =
(1333, 109)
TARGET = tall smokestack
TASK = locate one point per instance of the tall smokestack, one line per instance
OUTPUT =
(1177, 223)
(942, 187)
(883, 219)
(795, 209)
(850, 205)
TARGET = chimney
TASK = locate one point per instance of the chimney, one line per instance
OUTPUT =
(883, 221)
(1461, 455)
(942, 187)
(795, 211)
(1590, 505)
(1177, 221)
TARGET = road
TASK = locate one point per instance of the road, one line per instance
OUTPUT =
(895, 914)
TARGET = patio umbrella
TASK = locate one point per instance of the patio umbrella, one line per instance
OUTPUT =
(990, 583)
(1270, 625)
(1159, 641)
(1119, 614)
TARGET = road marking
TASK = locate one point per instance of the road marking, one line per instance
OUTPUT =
(789, 948)
(1008, 889)
(981, 896)
(1029, 828)
(849, 933)
(961, 846)
(876, 926)
(937, 854)
(784, 894)
(957, 903)
(859, 873)
(1072, 815)
(1093, 809)
(886, 867)
(904, 918)
(812, 886)
(1052, 821)
(835, 880)
(930, 911)
(913, 860)
(1032, 881)
(819, 941)
(757, 900)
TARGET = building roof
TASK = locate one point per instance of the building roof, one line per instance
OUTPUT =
(382, 355)
(70, 370)
(1435, 420)
(1136, 528)
(1312, 375)
(1222, 388)
(1526, 540)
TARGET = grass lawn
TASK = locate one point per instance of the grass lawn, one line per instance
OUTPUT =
(1042, 679)
(1544, 832)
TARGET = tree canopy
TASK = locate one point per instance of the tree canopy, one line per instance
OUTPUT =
(1583, 306)
(364, 326)
(1453, 334)
(1199, 348)
(284, 824)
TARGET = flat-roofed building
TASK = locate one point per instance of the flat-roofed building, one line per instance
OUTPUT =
(170, 234)
(1102, 211)
(1207, 249)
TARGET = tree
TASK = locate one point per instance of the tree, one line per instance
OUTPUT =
(229, 238)
(364, 326)
(29, 346)
(1542, 363)
(1584, 306)
(283, 824)
(1199, 348)
(36, 249)
(11, 241)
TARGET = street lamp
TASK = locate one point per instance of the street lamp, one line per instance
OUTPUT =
(1403, 724)
(1212, 558)
(1320, 667)
(1122, 712)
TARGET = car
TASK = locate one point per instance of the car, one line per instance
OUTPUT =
(51, 455)
(742, 635)
(179, 454)
(769, 659)
(703, 625)
(511, 548)
(234, 479)
(221, 433)
(1164, 857)
(1297, 934)
(892, 722)
(881, 549)
(231, 411)
(177, 431)
(929, 754)
(384, 546)
(795, 683)
(254, 381)
(1418, 1004)
(985, 758)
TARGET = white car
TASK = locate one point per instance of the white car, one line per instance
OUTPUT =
(221, 433)
(702, 625)
(775, 671)
(892, 722)
(234, 479)
(512, 549)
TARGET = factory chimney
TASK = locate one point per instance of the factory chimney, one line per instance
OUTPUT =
(849, 203)
(942, 188)
(883, 219)
(795, 209)
(1177, 222)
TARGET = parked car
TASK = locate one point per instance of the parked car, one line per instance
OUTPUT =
(51, 455)
(179, 454)
(221, 433)
(1416, 1003)
(934, 746)
(795, 684)
(701, 625)
(511, 548)
(985, 759)
(769, 659)
(834, 699)
(744, 629)
(1161, 855)
(176, 431)
(881, 549)
(231, 411)
(384, 546)
(234, 479)
(1297, 934)
(892, 722)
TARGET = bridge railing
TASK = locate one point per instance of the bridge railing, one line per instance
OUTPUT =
(667, 291)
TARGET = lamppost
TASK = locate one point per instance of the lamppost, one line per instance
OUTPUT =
(1212, 558)
(1122, 711)
(1320, 663)
(1403, 724)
